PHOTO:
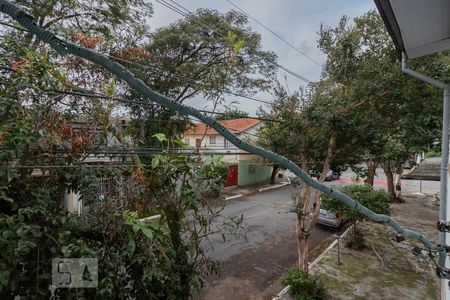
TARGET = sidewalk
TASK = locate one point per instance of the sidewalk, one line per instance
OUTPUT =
(384, 269)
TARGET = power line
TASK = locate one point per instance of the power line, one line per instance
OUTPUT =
(303, 78)
(90, 94)
(275, 34)
(164, 73)
(185, 79)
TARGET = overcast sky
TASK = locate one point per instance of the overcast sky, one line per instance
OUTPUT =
(297, 21)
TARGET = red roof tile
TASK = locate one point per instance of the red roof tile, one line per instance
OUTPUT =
(235, 126)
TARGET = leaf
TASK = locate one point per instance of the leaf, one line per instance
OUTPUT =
(136, 227)
(4, 277)
(238, 46)
(111, 86)
(155, 162)
(147, 232)
(131, 244)
(160, 137)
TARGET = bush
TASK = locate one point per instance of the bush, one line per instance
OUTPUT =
(355, 241)
(375, 200)
(435, 152)
(304, 286)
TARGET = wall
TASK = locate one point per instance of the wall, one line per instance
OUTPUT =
(251, 172)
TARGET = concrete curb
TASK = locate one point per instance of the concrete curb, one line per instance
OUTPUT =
(284, 291)
(234, 197)
(273, 187)
(258, 191)
(150, 218)
(312, 264)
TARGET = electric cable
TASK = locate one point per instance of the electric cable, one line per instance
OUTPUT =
(178, 77)
(275, 34)
(303, 78)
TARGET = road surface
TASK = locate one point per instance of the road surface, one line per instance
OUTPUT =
(265, 247)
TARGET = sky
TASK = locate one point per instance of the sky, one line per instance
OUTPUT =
(297, 21)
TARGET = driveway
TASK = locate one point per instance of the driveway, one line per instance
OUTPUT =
(255, 259)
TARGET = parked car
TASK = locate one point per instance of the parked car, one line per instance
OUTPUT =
(331, 219)
(332, 175)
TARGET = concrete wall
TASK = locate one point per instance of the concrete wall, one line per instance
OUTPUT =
(251, 172)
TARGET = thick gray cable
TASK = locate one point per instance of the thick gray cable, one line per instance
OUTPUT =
(63, 48)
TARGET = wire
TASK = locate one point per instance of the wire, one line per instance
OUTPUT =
(184, 79)
(160, 72)
(91, 94)
(275, 34)
(303, 78)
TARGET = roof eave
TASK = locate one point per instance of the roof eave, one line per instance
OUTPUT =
(387, 14)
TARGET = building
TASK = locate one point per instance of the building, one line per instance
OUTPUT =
(244, 168)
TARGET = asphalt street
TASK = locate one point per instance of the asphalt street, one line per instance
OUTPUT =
(257, 254)
(260, 251)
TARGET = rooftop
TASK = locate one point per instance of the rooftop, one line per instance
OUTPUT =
(417, 27)
(235, 126)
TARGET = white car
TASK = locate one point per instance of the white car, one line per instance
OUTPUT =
(330, 219)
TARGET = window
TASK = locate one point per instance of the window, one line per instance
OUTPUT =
(198, 143)
(212, 140)
(186, 141)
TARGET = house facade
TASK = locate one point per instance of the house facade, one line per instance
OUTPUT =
(244, 168)
(207, 140)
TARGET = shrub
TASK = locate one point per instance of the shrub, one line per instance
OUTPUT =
(435, 152)
(355, 241)
(375, 200)
(304, 286)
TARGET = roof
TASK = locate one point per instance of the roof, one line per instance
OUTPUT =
(429, 169)
(417, 27)
(235, 126)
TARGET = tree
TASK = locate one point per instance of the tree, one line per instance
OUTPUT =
(206, 54)
(391, 105)
(231, 114)
(311, 130)
(44, 142)
(123, 21)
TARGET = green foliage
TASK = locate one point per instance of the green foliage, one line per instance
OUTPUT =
(231, 114)
(375, 200)
(43, 145)
(304, 286)
(433, 153)
(355, 241)
(108, 18)
(189, 61)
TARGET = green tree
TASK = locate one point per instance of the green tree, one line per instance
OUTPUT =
(206, 54)
(231, 114)
(399, 115)
(44, 142)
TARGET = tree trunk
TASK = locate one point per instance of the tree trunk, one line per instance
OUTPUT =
(301, 230)
(307, 216)
(274, 174)
(398, 180)
(372, 166)
(387, 167)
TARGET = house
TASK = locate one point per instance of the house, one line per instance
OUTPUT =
(207, 140)
(244, 168)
